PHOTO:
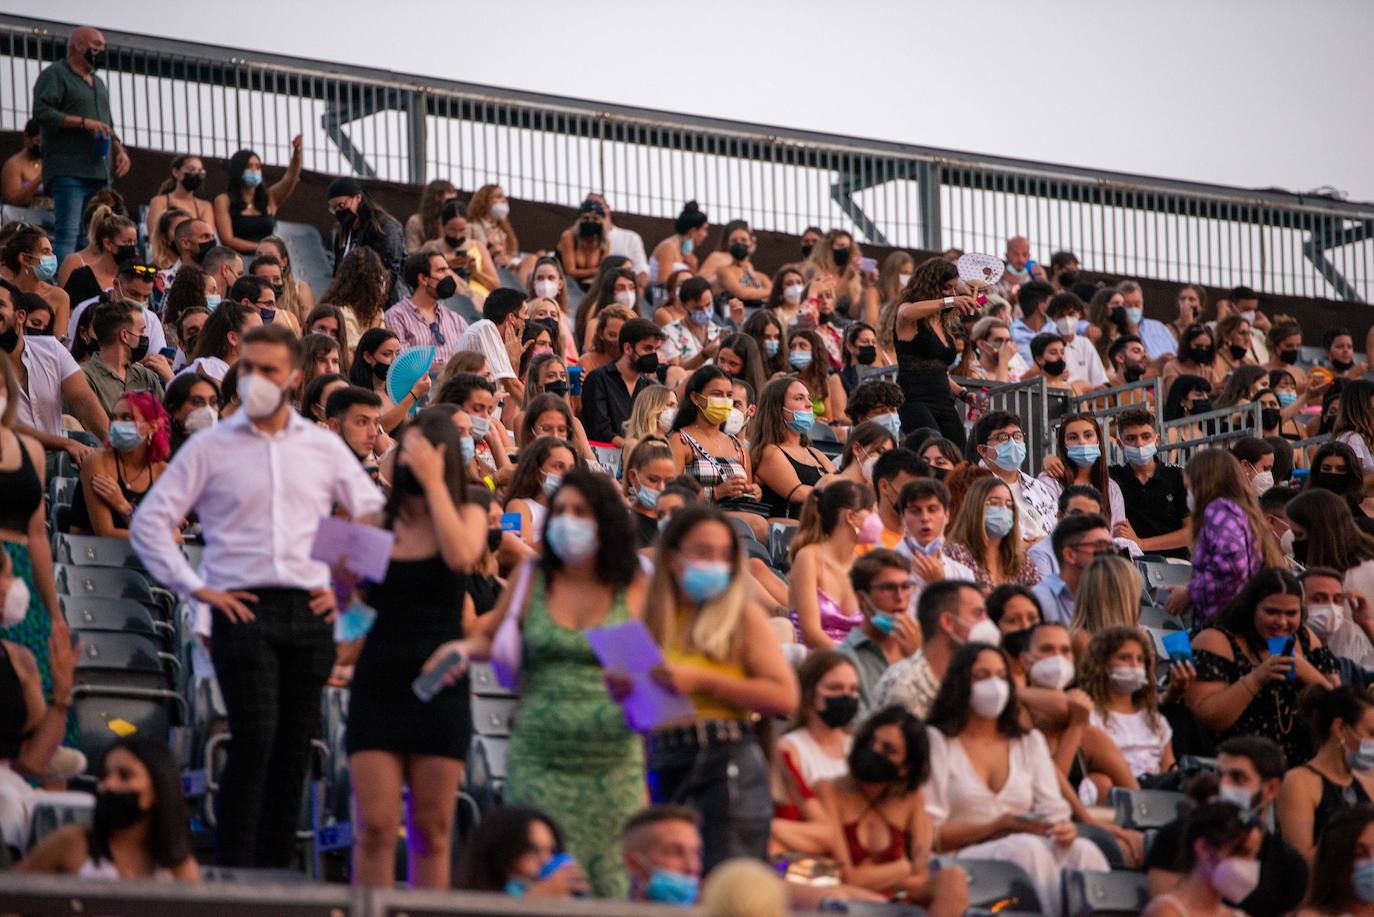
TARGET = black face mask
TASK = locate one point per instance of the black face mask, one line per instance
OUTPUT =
(1238, 351)
(455, 241)
(380, 370)
(938, 473)
(823, 318)
(806, 249)
(202, 250)
(557, 387)
(125, 253)
(1016, 642)
(868, 354)
(1270, 417)
(192, 180)
(867, 766)
(34, 152)
(1055, 367)
(38, 332)
(446, 288)
(1132, 374)
(493, 540)
(589, 229)
(9, 340)
(1300, 550)
(1202, 355)
(840, 711)
(1118, 318)
(1333, 481)
(1200, 406)
(140, 349)
(739, 250)
(278, 290)
(115, 811)
(1288, 356)
(646, 365)
(841, 256)
(345, 217)
(95, 57)
(549, 324)
(1342, 366)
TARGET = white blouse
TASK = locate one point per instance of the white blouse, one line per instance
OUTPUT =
(955, 791)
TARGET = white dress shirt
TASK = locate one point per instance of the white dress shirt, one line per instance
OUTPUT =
(48, 365)
(157, 335)
(630, 244)
(259, 499)
(1084, 364)
(485, 338)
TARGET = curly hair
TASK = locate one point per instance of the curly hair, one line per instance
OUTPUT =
(362, 284)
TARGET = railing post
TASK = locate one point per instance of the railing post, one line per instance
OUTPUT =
(418, 138)
(929, 178)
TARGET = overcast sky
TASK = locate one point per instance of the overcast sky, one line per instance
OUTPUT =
(1255, 93)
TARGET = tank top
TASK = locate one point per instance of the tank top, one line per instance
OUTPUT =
(707, 706)
(808, 475)
(923, 351)
(15, 714)
(81, 514)
(1334, 798)
(20, 493)
(858, 854)
(105, 869)
(709, 470)
(252, 227)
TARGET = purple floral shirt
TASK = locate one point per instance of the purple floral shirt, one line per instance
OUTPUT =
(1225, 556)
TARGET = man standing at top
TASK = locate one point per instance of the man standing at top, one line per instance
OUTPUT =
(72, 108)
(1020, 269)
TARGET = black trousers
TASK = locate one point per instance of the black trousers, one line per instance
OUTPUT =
(271, 672)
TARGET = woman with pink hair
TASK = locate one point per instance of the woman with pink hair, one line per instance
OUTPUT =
(116, 478)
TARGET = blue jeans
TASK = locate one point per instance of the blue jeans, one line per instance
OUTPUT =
(69, 197)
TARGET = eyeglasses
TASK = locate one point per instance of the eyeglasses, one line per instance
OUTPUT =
(900, 586)
(1096, 547)
(998, 439)
(437, 334)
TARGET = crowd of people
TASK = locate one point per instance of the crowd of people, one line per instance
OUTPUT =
(889, 645)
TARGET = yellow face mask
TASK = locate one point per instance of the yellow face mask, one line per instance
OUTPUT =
(715, 410)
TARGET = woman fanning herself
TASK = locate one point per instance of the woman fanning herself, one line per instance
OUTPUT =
(395, 740)
(571, 753)
(834, 522)
(721, 654)
(1242, 686)
(880, 809)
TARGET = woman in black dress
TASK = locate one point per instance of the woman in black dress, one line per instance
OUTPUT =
(926, 322)
(393, 739)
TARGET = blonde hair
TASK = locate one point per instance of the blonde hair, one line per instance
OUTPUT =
(744, 888)
(648, 405)
(967, 528)
(714, 631)
(106, 224)
(1108, 595)
(288, 299)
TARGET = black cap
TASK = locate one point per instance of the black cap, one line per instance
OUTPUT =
(343, 187)
(591, 206)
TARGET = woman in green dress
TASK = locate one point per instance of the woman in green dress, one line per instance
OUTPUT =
(571, 753)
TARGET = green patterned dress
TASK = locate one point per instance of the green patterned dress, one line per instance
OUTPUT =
(571, 753)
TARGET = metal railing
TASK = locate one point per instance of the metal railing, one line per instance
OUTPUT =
(1105, 404)
(1031, 401)
(1179, 439)
(179, 96)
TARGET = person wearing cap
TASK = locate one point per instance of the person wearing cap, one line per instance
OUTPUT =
(584, 245)
(625, 242)
(361, 222)
(133, 285)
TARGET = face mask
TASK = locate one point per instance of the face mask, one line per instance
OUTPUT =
(1362, 758)
(868, 354)
(1016, 642)
(1066, 325)
(891, 422)
(354, 622)
(1286, 398)
(571, 538)
(705, 580)
(1055, 368)
(589, 229)
(500, 210)
(1288, 356)
(647, 364)
(1009, 455)
(17, 601)
(625, 298)
(1134, 314)
(202, 250)
(345, 217)
(258, 396)
(988, 698)
(903, 280)
(1237, 796)
(688, 246)
(839, 711)
(871, 530)
(647, 496)
(1270, 418)
(1362, 877)
(446, 288)
(467, 449)
(1262, 481)
(666, 418)
(1085, 455)
(212, 302)
(1141, 455)
(792, 293)
(125, 253)
(866, 467)
(1200, 406)
(667, 887)
(252, 178)
(46, 269)
(1235, 879)
(1248, 315)
(1202, 355)
(552, 481)
(771, 347)
(557, 387)
(1324, 618)
(140, 350)
(1238, 351)
(716, 410)
(192, 180)
(739, 250)
(985, 632)
(95, 57)
(1054, 672)
(1342, 366)
(734, 423)
(800, 359)
(493, 540)
(1128, 679)
(380, 370)
(124, 435)
(840, 256)
(883, 622)
(546, 289)
(867, 766)
(802, 421)
(115, 811)
(481, 426)
(997, 520)
(699, 316)
(807, 248)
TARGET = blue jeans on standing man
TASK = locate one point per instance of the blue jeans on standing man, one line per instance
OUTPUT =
(69, 198)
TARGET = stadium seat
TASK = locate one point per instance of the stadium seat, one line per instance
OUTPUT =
(94, 551)
(465, 307)
(492, 716)
(998, 887)
(308, 252)
(53, 810)
(1153, 616)
(109, 582)
(487, 763)
(1104, 894)
(125, 659)
(609, 457)
(1164, 575)
(483, 680)
(1143, 809)
(104, 714)
(86, 613)
(780, 537)
(62, 490)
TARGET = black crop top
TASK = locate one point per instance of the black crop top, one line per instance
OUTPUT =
(20, 494)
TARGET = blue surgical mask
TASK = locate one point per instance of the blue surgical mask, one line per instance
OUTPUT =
(1141, 455)
(668, 887)
(252, 177)
(1362, 758)
(1085, 455)
(771, 347)
(892, 422)
(647, 496)
(1010, 455)
(883, 622)
(1286, 399)
(552, 481)
(467, 449)
(572, 538)
(1362, 877)
(124, 435)
(929, 550)
(705, 580)
(1134, 314)
(212, 302)
(802, 421)
(47, 268)
(688, 245)
(800, 359)
(699, 316)
(997, 520)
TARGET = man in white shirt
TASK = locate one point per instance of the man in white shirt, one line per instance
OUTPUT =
(951, 613)
(47, 377)
(625, 242)
(133, 285)
(260, 483)
(1066, 310)
(998, 439)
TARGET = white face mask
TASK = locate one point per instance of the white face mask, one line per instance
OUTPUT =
(866, 467)
(1066, 325)
(985, 632)
(1325, 618)
(1054, 672)
(202, 418)
(988, 698)
(16, 602)
(546, 289)
(735, 422)
(258, 396)
(625, 298)
(666, 418)
(1235, 879)
(1262, 481)
(1128, 679)
(500, 210)
(903, 280)
(792, 293)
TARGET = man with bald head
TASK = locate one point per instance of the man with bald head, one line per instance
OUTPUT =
(72, 108)
(1020, 268)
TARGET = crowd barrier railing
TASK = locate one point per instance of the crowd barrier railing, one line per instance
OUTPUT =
(1037, 406)
(1180, 438)
(1106, 404)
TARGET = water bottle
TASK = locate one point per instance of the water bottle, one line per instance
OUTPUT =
(102, 144)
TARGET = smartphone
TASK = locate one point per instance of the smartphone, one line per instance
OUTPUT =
(555, 863)
(868, 265)
(1176, 644)
(510, 522)
(168, 352)
(426, 686)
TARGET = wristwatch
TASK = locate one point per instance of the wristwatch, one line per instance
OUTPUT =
(949, 300)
